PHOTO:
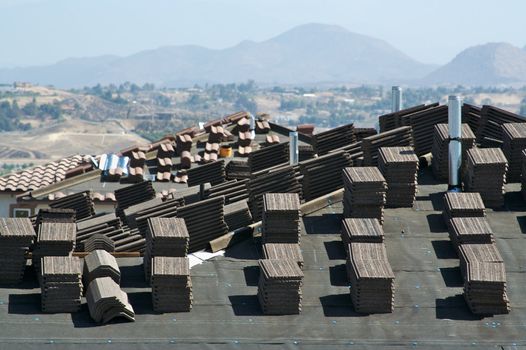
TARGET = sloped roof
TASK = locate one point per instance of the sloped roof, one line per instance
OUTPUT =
(40, 176)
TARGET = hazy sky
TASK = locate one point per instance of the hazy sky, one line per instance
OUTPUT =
(432, 31)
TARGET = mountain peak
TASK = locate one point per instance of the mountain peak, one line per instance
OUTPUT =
(487, 64)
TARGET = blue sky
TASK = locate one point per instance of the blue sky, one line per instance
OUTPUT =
(36, 32)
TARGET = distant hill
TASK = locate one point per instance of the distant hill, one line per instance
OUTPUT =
(311, 53)
(489, 64)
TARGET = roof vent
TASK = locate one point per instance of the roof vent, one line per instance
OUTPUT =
(396, 99)
(293, 145)
(455, 145)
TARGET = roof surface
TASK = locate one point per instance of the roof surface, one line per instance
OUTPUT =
(429, 307)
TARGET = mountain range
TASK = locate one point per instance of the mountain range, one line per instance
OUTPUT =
(307, 54)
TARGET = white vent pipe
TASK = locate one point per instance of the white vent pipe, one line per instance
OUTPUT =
(455, 145)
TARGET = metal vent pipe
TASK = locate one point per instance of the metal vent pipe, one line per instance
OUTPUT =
(293, 146)
(396, 99)
(455, 145)
(252, 126)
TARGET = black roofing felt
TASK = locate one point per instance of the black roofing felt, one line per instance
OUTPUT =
(429, 308)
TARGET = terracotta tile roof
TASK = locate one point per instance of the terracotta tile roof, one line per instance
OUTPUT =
(40, 176)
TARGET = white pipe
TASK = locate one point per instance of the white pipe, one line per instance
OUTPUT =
(396, 98)
(293, 146)
(455, 145)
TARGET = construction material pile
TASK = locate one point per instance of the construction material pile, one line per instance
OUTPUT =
(16, 236)
(364, 230)
(283, 251)
(523, 175)
(484, 279)
(364, 195)
(514, 142)
(171, 284)
(100, 263)
(399, 165)
(334, 138)
(279, 289)
(281, 218)
(165, 237)
(99, 241)
(81, 202)
(107, 301)
(486, 173)
(371, 278)
(61, 286)
(401, 137)
(54, 239)
(491, 120)
(463, 204)
(470, 230)
(440, 149)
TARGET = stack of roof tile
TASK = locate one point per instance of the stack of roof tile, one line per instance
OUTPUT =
(165, 153)
(422, 124)
(355, 152)
(361, 133)
(238, 169)
(99, 241)
(393, 120)
(514, 137)
(183, 143)
(262, 127)
(471, 116)
(371, 278)
(54, 239)
(166, 209)
(484, 279)
(266, 157)
(171, 284)
(55, 215)
(486, 173)
(399, 137)
(281, 218)
(490, 123)
(283, 251)
(364, 195)
(399, 165)
(440, 149)
(233, 191)
(137, 161)
(214, 173)
(328, 140)
(365, 230)
(165, 237)
(463, 204)
(108, 225)
(107, 301)
(100, 263)
(318, 174)
(237, 215)
(277, 181)
(205, 221)
(132, 195)
(465, 230)
(279, 288)
(61, 285)
(16, 236)
(81, 202)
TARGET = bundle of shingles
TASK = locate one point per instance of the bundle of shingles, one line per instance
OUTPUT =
(471, 116)
(171, 284)
(393, 120)
(328, 140)
(99, 242)
(318, 174)
(266, 157)
(54, 239)
(61, 285)
(361, 133)
(283, 251)
(237, 169)
(16, 237)
(98, 264)
(514, 138)
(137, 162)
(281, 218)
(399, 165)
(237, 215)
(108, 225)
(484, 279)
(55, 215)
(486, 173)
(279, 288)
(490, 130)
(281, 180)
(422, 124)
(463, 204)
(440, 149)
(400, 137)
(233, 191)
(134, 194)
(165, 237)
(467, 230)
(371, 278)
(81, 202)
(107, 301)
(214, 173)
(354, 151)
(364, 194)
(165, 152)
(364, 230)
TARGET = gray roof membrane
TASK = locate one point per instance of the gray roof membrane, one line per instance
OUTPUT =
(430, 311)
